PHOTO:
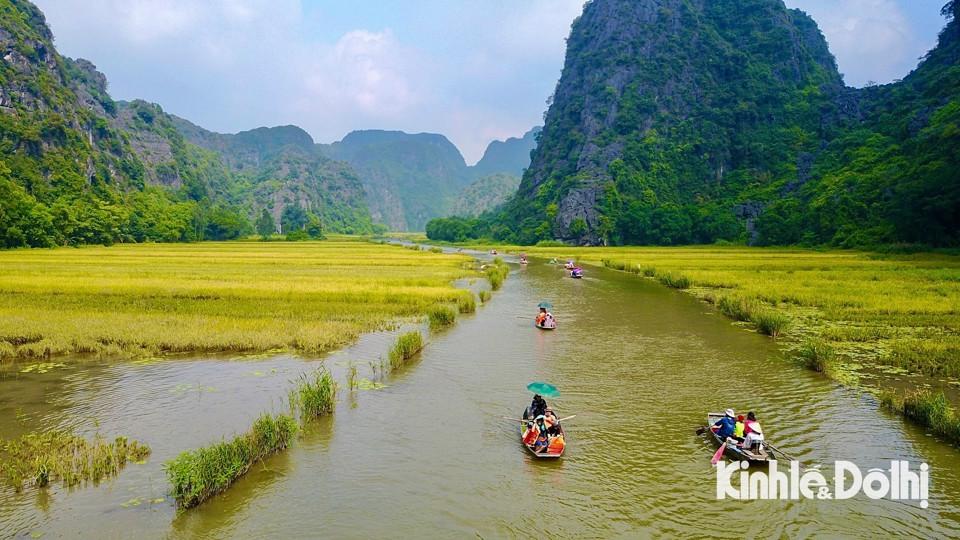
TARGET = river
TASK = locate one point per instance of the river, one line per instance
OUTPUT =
(430, 455)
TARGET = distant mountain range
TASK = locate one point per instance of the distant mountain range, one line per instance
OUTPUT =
(78, 167)
(413, 178)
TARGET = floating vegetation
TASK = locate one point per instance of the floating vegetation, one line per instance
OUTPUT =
(197, 475)
(58, 456)
(185, 388)
(367, 384)
(315, 394)
(406, 346)
(442, 317)
(44, 367)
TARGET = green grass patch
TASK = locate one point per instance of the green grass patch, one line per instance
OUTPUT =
(406, 346)
(737, 308)
(197, 475)
(442, 317)
(817, 355)
(929, 409)
(771, 322)
(466, 302)
(484, 296)
(496, 273)
(315, 394)
(674, 281)
(39, 459)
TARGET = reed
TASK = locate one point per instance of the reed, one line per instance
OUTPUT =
(466, 302)
(817, 355)
(929, 409)
(497, 273)
(674, 281)
(442, 317)
(197, 475)
(39, 459)
(315, 394)
(406, 346)
(771, 322)
(353, 377)
(484, 296)
(737, 308)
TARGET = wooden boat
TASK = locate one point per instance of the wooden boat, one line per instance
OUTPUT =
(733, 451)
(576, 273)
(544, 327)
(540, 455)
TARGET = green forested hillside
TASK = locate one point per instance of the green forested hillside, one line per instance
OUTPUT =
(485, 194)
(686, 122)
(77, 167)
(409, 178)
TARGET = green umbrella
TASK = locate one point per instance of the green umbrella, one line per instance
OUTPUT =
(544, 389)
(545, 305)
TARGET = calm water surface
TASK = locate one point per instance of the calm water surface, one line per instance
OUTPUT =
(429, 455)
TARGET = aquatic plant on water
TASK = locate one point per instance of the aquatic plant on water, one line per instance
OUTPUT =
(484, 296)
(442, 317)
(197, 475)
(315, 394)
(39, 459)
(406, 346)
(929, 409)
(817, 355)
(771, 322)
(466, 302)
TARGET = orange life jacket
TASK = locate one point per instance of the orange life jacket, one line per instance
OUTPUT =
(531, 435)
(556, 445)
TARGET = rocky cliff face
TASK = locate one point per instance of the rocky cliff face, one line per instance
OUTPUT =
(77, 167)
(680, 121)
(684, 89)
(485, 194)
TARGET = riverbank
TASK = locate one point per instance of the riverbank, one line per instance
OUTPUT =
(237, 297)
(886, 323)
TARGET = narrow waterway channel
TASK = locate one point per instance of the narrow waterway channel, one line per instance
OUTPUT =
(430, 455)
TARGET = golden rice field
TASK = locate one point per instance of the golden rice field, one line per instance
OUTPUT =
(889, 313)
(151, 299)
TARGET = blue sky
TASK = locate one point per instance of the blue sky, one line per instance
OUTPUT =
(474, 70)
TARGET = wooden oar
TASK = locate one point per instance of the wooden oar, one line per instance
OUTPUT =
(716, 457)
(781, 452)
(567, 418)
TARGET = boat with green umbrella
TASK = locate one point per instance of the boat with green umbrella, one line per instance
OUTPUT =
(542, 434)
(545, 319)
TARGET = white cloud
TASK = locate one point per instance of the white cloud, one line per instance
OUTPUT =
(872, 39)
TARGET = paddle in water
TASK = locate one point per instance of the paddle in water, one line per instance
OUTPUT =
(719, 454)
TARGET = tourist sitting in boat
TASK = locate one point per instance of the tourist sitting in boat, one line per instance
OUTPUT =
(576, 272)
(551, 421)
(541, 317)
(538, 406)
(542, 444)
(753, 433)
(725, 426)
(738, 429)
